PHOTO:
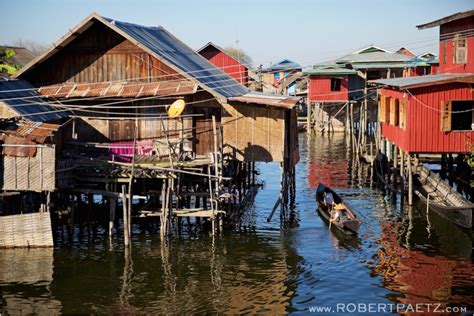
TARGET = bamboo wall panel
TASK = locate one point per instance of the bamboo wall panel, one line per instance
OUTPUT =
(26, 230)
(30, 173)
(254, 133)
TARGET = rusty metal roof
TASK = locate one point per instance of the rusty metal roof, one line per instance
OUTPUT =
(22, 98)
(273, 100)
(34, 131)
(119, 89)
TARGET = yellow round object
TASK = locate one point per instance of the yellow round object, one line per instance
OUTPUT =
(176, 108)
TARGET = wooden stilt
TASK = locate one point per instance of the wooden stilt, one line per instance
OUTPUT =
(125, 217)
(113, 204)
(309, 119)
(410, 180)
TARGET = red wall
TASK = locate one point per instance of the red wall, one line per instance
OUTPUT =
(423, 132)
(320, 89)
(447, 31)
(226, 63)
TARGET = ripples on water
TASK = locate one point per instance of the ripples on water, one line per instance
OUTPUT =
(400, 256)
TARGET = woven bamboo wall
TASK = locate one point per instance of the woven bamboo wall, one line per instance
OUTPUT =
(254, 133)
(26, 230)
(30, 173)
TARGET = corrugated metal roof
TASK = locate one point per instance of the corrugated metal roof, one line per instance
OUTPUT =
(267, 99)
(322, 70)
(119, 89)
(383, 65)
(421, 81)
(373, 57)
(167, 46)
(446, 19)
(15, 89)
(35, 131)
(285, 64)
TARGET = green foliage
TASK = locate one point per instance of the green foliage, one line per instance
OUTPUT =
(5, 66)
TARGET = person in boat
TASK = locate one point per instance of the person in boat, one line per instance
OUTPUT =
(338, 214)
(329, 199)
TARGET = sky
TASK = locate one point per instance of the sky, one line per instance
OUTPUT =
(306, 31)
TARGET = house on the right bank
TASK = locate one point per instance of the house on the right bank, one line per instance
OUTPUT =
(434, 113)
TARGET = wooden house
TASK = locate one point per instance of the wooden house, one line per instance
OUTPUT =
(228, 64)
(118, 81)
(434, 113)
(274, 74)
(146, 68)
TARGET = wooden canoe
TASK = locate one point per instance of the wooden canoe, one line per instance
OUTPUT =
(443, 199)
(350, 225)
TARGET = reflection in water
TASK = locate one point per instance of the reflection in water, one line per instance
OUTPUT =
(402, 255)
(25, 278)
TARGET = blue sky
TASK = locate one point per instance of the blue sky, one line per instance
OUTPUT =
(269, 30)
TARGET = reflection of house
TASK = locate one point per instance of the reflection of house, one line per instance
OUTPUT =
(434, 113)
(222, 60)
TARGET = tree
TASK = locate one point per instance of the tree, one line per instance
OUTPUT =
(239, 54)
(34, 47)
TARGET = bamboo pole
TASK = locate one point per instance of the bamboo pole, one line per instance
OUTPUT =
(113, 204)
(125, 217)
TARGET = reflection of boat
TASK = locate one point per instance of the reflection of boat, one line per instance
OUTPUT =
(348, 224)
(442, 198)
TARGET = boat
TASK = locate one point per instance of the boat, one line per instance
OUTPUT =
(350, 224)
(440, 197)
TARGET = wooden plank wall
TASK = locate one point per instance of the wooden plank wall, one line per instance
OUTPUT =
(26, 230)
(30, 173)
(254, 133)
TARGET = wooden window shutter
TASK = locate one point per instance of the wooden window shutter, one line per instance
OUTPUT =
(382, 109)
(445, 116)
(403, 114)
(392, 111)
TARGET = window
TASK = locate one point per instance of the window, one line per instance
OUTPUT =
(461, 115)
(335, 84)
(403, 114)
(388, 107)
(460, 50)
(396, 113)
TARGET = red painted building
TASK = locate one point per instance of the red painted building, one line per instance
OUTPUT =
(328, 83)
(434, 113)
(456, 42)
(225, 62)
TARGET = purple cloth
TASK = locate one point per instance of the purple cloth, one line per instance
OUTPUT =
(123, 151)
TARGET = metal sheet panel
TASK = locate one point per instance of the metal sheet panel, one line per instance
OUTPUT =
(22, 98)
(167, 46)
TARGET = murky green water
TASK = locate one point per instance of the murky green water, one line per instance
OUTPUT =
(401, 256)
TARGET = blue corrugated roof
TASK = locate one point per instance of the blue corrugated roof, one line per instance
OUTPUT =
(167, 46)
(16, 90)
(285, 64)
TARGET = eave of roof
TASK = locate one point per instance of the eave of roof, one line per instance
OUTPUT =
(423, 81)
(446, 19)
(272, 100)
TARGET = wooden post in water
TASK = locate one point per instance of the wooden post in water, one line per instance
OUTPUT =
(125, 217)
(113, 205)
(308, 118)
(410, 180)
